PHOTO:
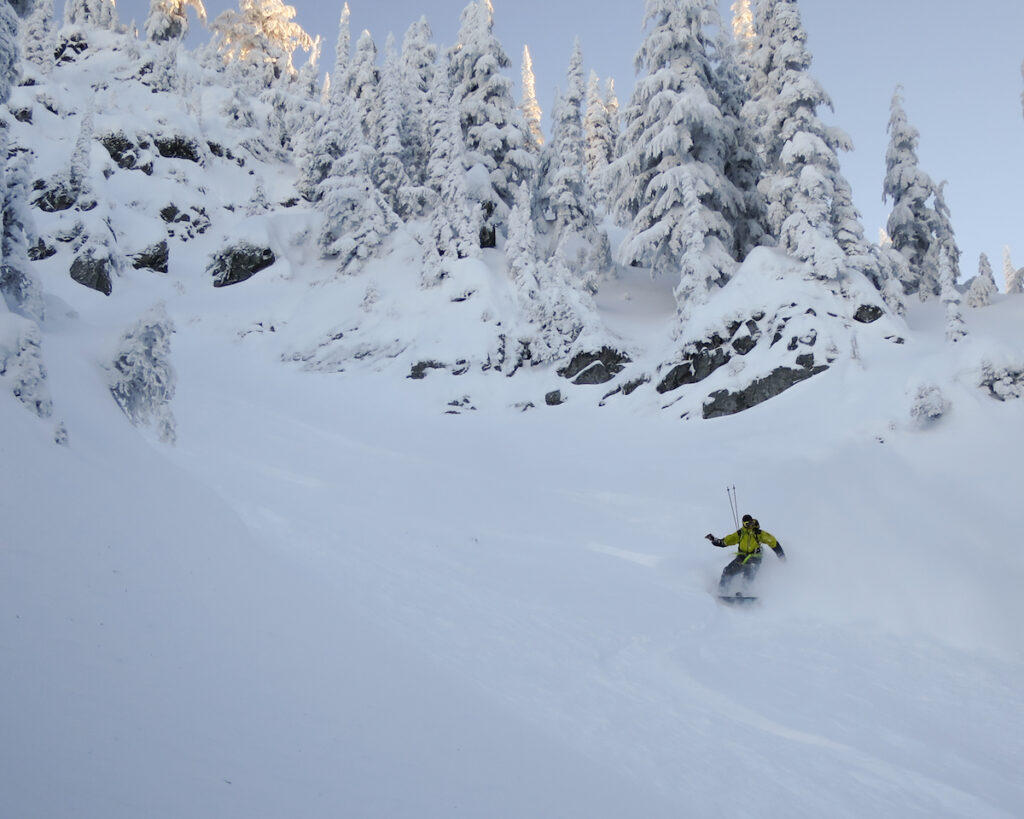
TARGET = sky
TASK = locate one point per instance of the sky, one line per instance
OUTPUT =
(960, 70)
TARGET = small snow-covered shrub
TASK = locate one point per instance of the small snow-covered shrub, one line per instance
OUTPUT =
(928, 404)
(21, 363)
(142, 378)
(1003, 382)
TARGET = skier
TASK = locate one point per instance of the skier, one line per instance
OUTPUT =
(749, 539)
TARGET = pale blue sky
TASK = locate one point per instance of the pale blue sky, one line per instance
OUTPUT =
(960, 68)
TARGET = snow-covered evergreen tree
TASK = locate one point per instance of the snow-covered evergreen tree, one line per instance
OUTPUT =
(39, 36)
(365, 86)
(18, 285)
(600, 138)
(389, 165)
(806, 196)
(168, 19)
(419, 61)
(530, 107)
(260, 39)
(98, 13)
(743, 166)
(22, 370)
(982, 288)
(743, 24)
(142, 379)
(955, 328)
(496, 136)
(918, 224)
(1013, 279)
(357, 220)
(566, 192)
(320, 137)
(455, 223)
(550, 315)
(9, 51)
(671, 176)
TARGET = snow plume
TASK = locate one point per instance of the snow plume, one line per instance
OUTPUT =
(142, 380)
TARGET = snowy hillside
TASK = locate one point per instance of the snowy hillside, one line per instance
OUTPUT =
(294, 524)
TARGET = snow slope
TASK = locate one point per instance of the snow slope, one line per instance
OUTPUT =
(333, 598)
(347, 592)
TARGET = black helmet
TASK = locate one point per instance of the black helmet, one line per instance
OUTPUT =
(747, 519)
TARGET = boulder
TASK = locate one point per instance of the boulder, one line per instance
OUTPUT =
(93, 272)
(155, 257)
(238, 263)
(724, 402)
(595, 367)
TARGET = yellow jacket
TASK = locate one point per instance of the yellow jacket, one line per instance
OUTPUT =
(749, 540)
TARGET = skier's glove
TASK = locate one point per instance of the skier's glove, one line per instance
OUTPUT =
(714, 540)
(781, 555)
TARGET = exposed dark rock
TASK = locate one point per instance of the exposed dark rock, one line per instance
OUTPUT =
(178, 147)
(554, 398)
(67, 50)
(419, 370)
(55, 195)
(127, 154)
(868, 313)
(23, 115)
(595, 367)
(630, 386)
(92, 272)
(40, 250)
(236, 264)
(697, 368)
(189, 223)
(723, 402)
(154, 257)
(744, 344)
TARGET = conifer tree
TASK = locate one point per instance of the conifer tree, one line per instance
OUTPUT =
(364, 86)
(321, 140)
(455, 223)
(142, 379)
(419, 58)
(671, 176)
(168, 19)
(599, 141)
(357, 220)
(341, 78)
(1012, 278)
(529, 105)
(492, 125)
(982, 288)
(743, 166)
(552, 315)
(919, 223)
(98, 13)
(18, 284)
(39, 36)
(260, 39)
(565, 190)
(743, 24)
(388, 168)
(807, 199)
(9, 52)
(955, 328)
